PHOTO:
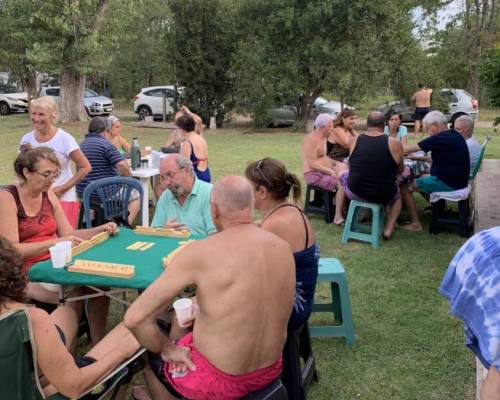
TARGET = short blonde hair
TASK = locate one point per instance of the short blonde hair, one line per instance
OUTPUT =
(48, 104)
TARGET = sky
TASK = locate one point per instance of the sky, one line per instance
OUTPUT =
(444, 15)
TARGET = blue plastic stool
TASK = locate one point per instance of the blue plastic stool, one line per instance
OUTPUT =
(331, 270)
(366, 233)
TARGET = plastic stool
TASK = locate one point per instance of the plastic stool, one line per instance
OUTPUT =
(331, 270)
(442, 219)
(366, 233)
(327, 208)
(295, 378)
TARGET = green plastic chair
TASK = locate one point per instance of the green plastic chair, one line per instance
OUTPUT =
(353, 229)
(476, 168)
(331, 270)
(19, 376)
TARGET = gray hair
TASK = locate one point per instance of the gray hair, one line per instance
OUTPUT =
(468, 123)
(233, 194)
(99, 125)
(183, 163)
(435, 117)
(323, 120)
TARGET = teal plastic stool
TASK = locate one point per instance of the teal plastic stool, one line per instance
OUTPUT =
(331, 270)
(366, 233)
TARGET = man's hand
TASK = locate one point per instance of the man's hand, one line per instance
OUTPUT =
(178, 358)
(171, 224)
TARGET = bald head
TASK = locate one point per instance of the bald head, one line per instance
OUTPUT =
(233, 195)
(375, 119)
(465, 126)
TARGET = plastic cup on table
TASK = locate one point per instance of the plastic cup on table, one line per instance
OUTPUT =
(66, 245)
(58, 256)
(183, 310)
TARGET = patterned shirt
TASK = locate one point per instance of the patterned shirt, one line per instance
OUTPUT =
(472, 286)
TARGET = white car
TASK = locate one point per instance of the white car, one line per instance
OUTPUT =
(11, 100)
(149, 102)
(95, 105)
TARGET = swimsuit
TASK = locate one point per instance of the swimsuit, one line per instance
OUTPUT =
(203, 175)
(421, 112)
(336, 152)
(207, 382)
(306, 276)
(321, 180)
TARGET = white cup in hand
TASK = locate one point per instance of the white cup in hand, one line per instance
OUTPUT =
(183, 310)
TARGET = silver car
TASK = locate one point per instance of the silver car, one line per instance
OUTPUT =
(460, 102)
(95, 105)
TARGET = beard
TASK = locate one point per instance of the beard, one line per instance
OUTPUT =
(176, 190)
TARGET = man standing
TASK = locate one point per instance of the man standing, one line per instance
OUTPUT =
(465, 126)
(240, 330)
(319, 169)
(422, 99)
(450, 163)
(374, 161)
(105, 161)
(186, 200)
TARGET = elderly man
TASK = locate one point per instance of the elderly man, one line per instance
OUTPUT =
(106, 161)
(240, 329)
(471, 285)
(465, 126)
(422, 99)
(186, 200)
(450, 163)
(319, 169)
(374, 161)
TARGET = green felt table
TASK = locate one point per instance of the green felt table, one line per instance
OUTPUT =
(148, 264)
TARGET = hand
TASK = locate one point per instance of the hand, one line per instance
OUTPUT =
(59, 191)
(74, 239)
(178, 358)
(171, 224)
(188, 323)
(111, 228)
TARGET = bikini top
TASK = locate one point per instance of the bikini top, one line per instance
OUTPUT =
(195, 160)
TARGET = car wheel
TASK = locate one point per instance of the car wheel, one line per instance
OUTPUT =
(4, 108)
(454, 118)
(143, 112)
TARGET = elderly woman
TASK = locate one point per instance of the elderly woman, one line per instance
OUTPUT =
(46, 133)
(342, 135)
(33, 220)
(54, 334)
(116, 137)
(272, 184)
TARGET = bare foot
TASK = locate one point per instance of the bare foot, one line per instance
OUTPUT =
(339, 222)
(413, 227)
(140, 393)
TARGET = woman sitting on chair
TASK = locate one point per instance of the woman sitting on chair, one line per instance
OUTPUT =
(281, 216)
(54, 334)
(33, 220)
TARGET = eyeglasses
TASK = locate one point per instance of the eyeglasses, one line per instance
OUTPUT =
(259, 170)
(53, 175)
(169, 175)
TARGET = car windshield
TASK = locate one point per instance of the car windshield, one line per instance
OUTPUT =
(320, 101)
(8, 89)
(89, 93)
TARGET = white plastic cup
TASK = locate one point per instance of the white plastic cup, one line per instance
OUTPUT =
(58, 256)
(183, 310)
(66, 245)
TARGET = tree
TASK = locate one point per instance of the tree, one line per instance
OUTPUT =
(490, 74)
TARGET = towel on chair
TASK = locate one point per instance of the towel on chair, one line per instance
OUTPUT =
(456, 195)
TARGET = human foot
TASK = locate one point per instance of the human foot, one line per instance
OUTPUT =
(413, 227)
(339, 222)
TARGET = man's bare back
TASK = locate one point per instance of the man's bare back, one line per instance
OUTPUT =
(245, 292)
(422, 97)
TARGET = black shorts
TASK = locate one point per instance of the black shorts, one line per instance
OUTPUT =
(421, 112)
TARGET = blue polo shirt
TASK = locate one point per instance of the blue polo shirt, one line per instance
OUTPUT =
(194, 213)
(450, 158)
(102, 156)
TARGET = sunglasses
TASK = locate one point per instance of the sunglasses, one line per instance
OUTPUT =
(258, 166)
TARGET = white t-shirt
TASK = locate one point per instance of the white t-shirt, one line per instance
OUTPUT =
(474, 151)
(63, 144)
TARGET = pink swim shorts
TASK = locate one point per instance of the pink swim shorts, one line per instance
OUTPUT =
(207, 382)
(321, 180)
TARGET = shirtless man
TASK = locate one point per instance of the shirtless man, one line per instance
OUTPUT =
(422, 99)
(319, 169)
(245, 279)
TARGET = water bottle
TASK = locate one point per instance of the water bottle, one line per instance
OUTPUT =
(135, 154)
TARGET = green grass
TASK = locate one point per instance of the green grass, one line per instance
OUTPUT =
(407, 344)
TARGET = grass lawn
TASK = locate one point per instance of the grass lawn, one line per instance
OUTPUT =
(407, 344)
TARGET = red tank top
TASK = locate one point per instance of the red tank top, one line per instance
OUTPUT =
(38, 228)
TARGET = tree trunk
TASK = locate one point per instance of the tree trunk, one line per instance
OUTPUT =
(72, 108)
(28, 80)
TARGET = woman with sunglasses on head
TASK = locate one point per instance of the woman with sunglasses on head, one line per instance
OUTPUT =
(45, 133)
(31, 216)
(272, 185)
(116, 137)
(339, 140)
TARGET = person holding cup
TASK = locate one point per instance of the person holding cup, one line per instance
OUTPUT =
(31, 216)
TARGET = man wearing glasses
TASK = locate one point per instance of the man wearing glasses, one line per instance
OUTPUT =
(186, 200)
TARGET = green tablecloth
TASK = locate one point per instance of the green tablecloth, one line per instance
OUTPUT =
(148, 264)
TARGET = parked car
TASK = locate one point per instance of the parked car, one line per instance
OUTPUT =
(149, 101)
(95, 105)
(11, 100)
(460, 102)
